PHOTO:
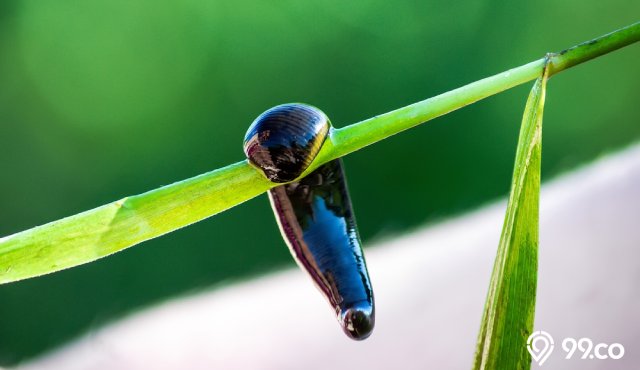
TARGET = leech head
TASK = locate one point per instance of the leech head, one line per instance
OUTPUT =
(283, 141)
(358, 321)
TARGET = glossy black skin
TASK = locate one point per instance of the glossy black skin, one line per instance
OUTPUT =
(285, 139)
(316, 219)
(314, 213)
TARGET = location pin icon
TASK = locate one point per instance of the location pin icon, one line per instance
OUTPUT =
(540, 346)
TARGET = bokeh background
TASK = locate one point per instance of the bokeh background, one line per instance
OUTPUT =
(103, 99)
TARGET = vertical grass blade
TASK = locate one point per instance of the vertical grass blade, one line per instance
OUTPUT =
(509, 310)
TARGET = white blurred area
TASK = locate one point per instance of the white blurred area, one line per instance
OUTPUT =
(430, 287)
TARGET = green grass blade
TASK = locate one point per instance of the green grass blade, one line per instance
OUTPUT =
(509, 310)
(110, 228)
(90, 235)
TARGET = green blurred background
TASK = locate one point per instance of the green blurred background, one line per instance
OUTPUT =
(103, 99)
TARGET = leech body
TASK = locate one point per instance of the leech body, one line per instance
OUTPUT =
(317, 223)
(314, 213)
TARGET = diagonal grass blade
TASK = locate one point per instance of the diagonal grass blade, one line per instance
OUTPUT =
(99, 232)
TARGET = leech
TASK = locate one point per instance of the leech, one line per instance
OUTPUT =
(314, 213)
